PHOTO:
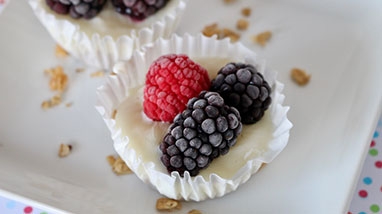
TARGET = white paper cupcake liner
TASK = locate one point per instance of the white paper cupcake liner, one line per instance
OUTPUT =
(208, 184)
(101, 49)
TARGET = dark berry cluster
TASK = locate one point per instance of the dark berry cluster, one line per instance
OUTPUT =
(244, 88)
(77, 8)
(138, 9)
(206, 129)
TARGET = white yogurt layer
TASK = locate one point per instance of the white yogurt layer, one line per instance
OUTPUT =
(109, 22)
(145, 135)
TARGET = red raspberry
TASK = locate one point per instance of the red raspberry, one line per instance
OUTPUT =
(170, 82)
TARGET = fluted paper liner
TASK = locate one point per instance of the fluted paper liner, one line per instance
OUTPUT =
(209, 183)
(101, 49)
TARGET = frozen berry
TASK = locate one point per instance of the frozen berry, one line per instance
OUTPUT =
(198, 142)
(77, 8)
(138, 10)
(170, 82)
(243, 87)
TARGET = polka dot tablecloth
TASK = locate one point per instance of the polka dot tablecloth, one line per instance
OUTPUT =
(367, 198)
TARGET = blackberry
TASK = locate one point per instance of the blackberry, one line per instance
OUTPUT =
(77, 8)
(244, 88)
(206, 129)
(138, 10)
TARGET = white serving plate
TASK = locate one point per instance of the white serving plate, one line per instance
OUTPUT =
(338, 42)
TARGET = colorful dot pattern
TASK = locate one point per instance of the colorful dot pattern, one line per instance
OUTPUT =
(9, 206)
(368, 196)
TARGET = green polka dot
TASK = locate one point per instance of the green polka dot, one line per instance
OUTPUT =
(373, 152)
(374, 208)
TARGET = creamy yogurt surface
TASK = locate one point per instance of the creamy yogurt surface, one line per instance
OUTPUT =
(109, 22)
(145, 135)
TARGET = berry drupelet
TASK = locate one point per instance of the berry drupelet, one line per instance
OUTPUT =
(138, 10)
(77, 8)
(244, 88)
(206, 129)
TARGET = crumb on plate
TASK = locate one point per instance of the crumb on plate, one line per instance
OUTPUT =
(246, 11)
(262, 38)
(242, 24)
(194, 212)
(221, 33)
(299, 76)
(64, 150)
(58, 78)
(118, 166)
(167, 204)
(60, 52)
(54, 101)
(229, 1)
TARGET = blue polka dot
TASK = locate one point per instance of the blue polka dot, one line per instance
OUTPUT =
(367, 180)
(362, 213)
(376, 134)
(11, 204)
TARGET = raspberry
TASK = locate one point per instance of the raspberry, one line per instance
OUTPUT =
(206, 129)
(77, 8)
(170, 82)
(138, 10)
(243, 87)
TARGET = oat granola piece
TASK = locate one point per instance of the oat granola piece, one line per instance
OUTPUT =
(211, 30)
(80, 70)
(68, 105)
(226, 32)
(262, 38)
(119, 167)
(246, 11)
(54, 101)
(194, 212)
(300, 76)
(58, 78)
(61, 52)
(229, 1)
(64, 150)
(242, 24)
(167, 204)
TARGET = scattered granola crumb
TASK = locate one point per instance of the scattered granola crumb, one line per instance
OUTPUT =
(242, 24)
(58, 78)
(229, 1)
(119, 167)
(246, 11)
(68, 105)
(262, 38)
(113, 114)
(61, 52)
(167, 204)
(97, 74)
(113, 73)
(64, 150)
(194, 212)
(80, 70)
(213, 29)
(300, 76)
(110, 159)
(54, 101)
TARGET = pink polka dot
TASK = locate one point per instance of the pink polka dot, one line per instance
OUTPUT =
(350, 212)
(380, 188)
(372, 144)
(28, 209)
(378, 164)
(362, 193)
